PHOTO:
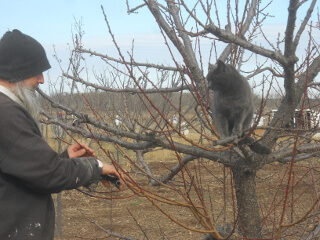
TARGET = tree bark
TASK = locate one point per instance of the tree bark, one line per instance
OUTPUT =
(248, 207)
(140, 158)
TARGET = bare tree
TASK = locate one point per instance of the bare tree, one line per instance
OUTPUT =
(184, 26)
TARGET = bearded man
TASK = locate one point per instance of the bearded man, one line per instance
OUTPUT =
(30, 170)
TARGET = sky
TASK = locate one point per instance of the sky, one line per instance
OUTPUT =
(52, 22)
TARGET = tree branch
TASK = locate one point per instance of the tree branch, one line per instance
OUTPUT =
(306, 150)
(185, 49)
(304, 23)
(289, 50)
(228, 37)
(130, 63)
(150, 139)
(99, 137)
(176, 169)
(128, 90)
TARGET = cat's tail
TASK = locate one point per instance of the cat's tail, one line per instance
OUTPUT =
(255, 146)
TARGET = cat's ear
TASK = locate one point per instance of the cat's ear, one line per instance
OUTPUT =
(221, 66)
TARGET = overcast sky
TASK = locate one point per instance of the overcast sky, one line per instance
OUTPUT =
(51, 23)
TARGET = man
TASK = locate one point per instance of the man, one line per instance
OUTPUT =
(29, 169)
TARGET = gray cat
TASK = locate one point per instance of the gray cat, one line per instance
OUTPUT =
(232, 104)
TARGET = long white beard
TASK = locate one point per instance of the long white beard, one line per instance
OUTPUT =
(28, 99)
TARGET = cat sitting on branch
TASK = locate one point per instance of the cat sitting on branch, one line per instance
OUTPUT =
(232, 106)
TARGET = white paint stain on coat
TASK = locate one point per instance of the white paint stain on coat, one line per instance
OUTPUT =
(14, 234)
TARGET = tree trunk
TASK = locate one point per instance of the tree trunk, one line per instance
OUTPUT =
(248, 208)
(140, 158)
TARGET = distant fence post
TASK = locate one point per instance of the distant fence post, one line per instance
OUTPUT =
(55, 133)
(59, 133)
(59, 205)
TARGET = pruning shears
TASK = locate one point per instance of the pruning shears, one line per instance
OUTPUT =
(112, 179)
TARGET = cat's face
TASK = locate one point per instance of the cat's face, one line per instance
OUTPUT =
(221, 75)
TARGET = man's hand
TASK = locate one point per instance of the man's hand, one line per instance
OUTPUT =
(108, 169)
(80, 150)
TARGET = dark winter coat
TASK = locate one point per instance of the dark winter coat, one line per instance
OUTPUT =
(30, 170)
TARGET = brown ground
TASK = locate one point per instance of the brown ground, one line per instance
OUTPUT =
(85, 217)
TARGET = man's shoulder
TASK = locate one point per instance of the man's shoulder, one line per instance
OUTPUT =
(7, 103)
(10, 109)
(4, 99)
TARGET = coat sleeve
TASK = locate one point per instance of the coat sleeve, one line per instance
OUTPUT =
(25, 155)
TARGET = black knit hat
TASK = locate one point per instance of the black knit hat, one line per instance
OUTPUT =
(21, 57)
